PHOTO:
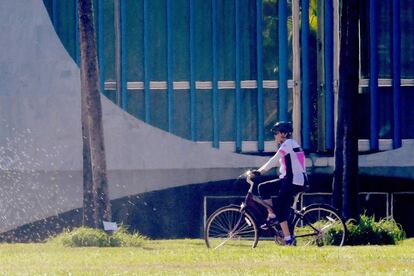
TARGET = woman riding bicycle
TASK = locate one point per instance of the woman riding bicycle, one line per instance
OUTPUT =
(291, 181)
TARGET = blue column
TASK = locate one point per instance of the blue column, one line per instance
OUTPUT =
(76, 38)
(259, 57)
(55, 15)
(192, 74)
(100, 41)
(306, 120)
(215, 95)
(123, 80)
(373, 78)
(147, 91)
(170, 79)
(283, 62)
(329, 96)
(396, 73)
(238, 79)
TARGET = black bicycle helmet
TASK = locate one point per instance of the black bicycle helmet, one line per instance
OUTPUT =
(283, 127)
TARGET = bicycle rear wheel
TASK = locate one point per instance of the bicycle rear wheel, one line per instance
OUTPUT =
(231, 227)
(319, 225)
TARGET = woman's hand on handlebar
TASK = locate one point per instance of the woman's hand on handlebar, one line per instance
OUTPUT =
(254, 173)
(251, 174)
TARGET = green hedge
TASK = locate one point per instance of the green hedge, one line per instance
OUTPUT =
(367, 231)
(83, 236)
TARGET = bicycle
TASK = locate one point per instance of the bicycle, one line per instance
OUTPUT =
(316, 224)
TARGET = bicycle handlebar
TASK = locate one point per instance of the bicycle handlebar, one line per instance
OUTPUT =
(248, 176)
(249, 180)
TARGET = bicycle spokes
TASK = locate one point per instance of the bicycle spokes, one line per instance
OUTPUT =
(319, 226)
(229, 226)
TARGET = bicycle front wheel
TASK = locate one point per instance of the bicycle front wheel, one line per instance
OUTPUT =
(231, 227)
(319, 225)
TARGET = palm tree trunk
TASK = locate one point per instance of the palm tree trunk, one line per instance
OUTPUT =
(345, 186)
(88, 201)
(95, 163)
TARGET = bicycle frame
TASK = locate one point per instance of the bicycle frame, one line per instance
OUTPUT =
(252, 201)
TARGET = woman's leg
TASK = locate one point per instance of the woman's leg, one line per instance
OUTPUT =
(266, 191)
(285, 199)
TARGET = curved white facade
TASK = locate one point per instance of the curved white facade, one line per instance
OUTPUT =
(40, 135)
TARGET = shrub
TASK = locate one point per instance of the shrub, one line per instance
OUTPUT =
(334, 236)
(83, 237)
(368, 231)
(125, 239)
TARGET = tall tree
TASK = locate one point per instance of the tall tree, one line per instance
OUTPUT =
(88, 200)
(345, 185)
(96, 199)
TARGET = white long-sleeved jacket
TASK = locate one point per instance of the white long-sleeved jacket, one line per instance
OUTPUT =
(291, 158)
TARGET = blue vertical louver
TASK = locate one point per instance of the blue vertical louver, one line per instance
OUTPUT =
(101, 47)
(192, 73)
(122, 54)
(373, 78)
(283, 62)
(329, 96)
(55, 15)
(170, 78)
(306, 117)
(259, 57)
(215, 100)
(238, 79)
(147, 91)
(76, 34)
(396, 73)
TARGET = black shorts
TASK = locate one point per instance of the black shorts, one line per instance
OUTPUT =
(285, 192)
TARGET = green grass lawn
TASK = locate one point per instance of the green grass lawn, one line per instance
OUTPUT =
(173, 257)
